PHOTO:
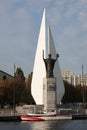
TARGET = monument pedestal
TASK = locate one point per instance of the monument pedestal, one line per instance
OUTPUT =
(49, 94)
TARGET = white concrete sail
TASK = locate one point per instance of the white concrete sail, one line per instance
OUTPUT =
(39, 68)
(57, 72)
(39, 71)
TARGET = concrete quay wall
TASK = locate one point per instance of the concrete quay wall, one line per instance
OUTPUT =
(8, 112)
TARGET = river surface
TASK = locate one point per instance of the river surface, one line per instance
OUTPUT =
(45, 125)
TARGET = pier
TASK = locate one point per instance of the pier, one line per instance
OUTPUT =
(79, 117)
(10, 118)
(9, 115)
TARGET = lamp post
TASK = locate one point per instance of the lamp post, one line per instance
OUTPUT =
(14, 92)
(83, 96)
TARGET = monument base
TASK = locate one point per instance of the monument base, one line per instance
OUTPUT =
(49, 94)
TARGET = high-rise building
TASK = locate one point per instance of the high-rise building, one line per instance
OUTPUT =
(69, 77)
(74, 79)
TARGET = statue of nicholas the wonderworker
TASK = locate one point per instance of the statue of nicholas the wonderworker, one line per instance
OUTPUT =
(49, 64)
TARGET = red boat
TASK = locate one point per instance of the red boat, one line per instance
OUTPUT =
(31, 118)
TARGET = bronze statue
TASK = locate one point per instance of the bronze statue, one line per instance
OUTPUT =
(49, 64)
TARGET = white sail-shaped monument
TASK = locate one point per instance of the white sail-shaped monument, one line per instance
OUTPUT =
(39, 71)
(57, 73)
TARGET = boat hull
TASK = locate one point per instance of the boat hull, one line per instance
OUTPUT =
(31, 118)
(45, 118)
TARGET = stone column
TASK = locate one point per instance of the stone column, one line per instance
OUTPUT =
(49, 94)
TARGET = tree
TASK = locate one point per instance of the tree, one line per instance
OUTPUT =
(29, 98)
(19, 73)
(70, 93)
(12, 91)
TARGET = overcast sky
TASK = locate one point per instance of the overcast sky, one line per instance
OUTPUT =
(19, 29)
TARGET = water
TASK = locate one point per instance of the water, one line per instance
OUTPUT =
(45, 125)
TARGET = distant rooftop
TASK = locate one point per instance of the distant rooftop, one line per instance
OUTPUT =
(4, 75)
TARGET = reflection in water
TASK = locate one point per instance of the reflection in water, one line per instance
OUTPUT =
(59, 125)
(15, 126)
(42, 125)
(49, 125)
(45, 125)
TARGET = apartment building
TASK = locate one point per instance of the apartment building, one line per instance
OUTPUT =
(69, 77)
(74, 79)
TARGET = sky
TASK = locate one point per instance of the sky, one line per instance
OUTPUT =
(19, 29)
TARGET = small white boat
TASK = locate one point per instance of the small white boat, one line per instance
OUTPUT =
(43, 115)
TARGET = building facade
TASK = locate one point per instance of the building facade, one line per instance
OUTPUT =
(69, 77)
(81, 80)
(74, 79)
(4, 75)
